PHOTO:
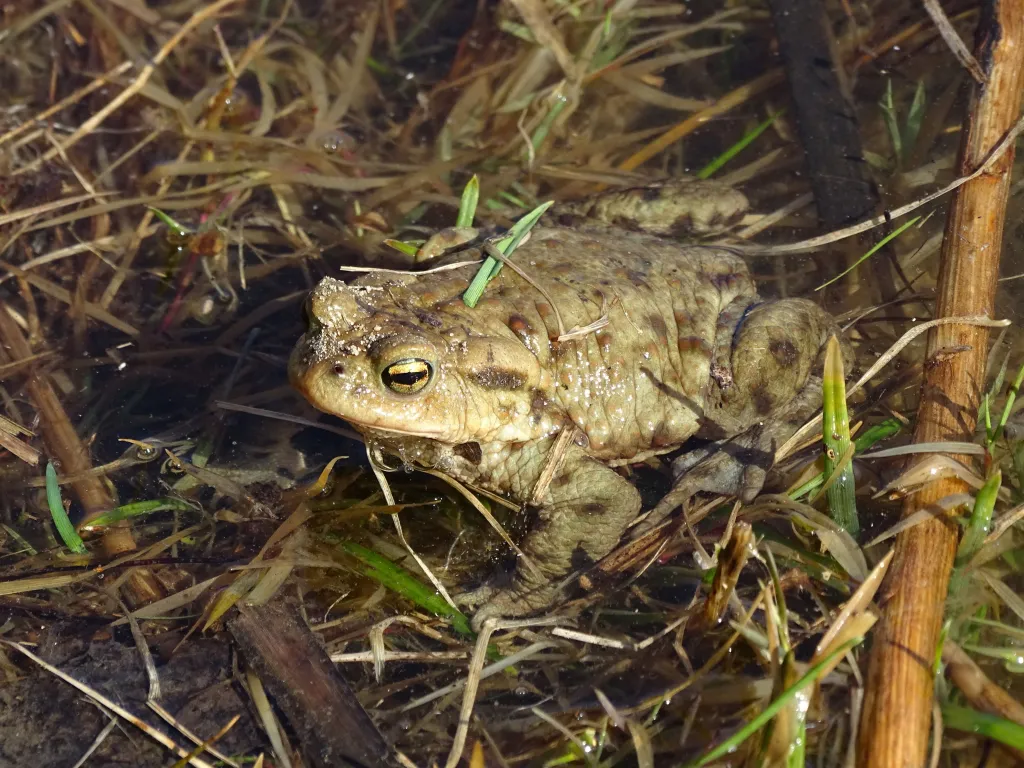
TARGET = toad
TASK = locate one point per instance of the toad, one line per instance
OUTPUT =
(621, 345)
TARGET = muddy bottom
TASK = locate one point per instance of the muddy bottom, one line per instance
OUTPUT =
(44, 721)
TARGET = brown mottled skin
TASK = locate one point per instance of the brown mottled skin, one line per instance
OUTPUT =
(689, 350)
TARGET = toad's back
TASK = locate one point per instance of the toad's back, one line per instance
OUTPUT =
(639, 382)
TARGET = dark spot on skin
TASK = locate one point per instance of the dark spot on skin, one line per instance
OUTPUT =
(688, 344)
(723, 279)
(650, 194)
(605, 281)
(338, 369)
(550, 242)
(626, 223)
(429, 319)
(521, 327)
(682, 226)
(604, 339)
(658, 326)
(538, 408)
(785, 352)
(682, 319)
(762, 400)
(593, 508)
(470, 452)
(636, 278)
(493, 377)
(561, 481)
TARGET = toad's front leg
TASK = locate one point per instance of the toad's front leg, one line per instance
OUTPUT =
(580, 519)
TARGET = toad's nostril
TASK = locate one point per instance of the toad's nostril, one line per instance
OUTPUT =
(339, 369)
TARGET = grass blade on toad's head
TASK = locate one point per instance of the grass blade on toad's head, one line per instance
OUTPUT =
(836, 441)
(67, 531)
(491, 266)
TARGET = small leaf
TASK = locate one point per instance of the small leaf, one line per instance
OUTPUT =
(468, 203)
(402, 247)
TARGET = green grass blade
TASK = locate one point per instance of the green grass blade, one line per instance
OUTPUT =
(491, 266)
(863, 441)
(748, 138)
(842, 503)
(179, 229)
(981, 519)
(138, 509)
(915, 118)
(892, 122)
(1011, 398)
(785, 699)
(409, 249)
(468, 203)
(397, 579)
(891, 236)
(990, 726)
(542, 130)
(67, 531)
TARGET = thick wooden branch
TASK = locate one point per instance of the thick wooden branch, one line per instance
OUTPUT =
(896, 721)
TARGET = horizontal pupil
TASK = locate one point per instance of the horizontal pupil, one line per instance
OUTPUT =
(408, 377)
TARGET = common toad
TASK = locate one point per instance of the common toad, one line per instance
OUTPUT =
(688, 350)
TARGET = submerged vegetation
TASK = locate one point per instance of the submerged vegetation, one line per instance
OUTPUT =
(174, 178)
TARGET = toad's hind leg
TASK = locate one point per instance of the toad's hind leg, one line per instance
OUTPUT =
(581, 518)
(766, 382)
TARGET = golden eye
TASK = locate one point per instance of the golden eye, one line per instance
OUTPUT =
(407, 377)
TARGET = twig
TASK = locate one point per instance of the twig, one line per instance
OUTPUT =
(898, 707)
(952, 39)
(985, 165)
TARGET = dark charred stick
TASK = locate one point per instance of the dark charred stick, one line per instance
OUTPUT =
(333, 727)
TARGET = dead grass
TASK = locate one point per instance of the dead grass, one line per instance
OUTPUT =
(288, 140)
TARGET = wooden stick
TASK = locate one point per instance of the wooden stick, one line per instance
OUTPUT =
(897, 711)
(334, 729)
(63, 443)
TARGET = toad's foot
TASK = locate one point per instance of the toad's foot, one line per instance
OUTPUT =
(736, 467)
(507, 602)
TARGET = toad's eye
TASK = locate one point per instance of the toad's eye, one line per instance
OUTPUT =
(407, 377)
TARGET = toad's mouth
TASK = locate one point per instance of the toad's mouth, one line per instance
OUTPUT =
(370, 426)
